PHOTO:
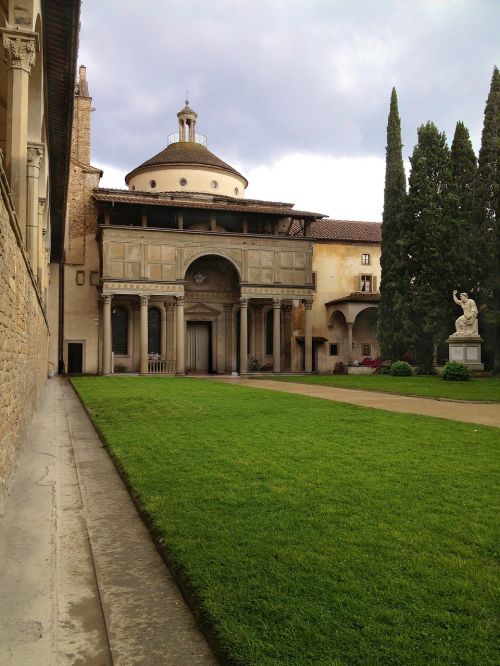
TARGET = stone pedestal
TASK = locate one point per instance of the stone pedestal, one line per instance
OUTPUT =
(466, 350)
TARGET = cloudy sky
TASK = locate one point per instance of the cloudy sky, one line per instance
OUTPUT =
(293, 93)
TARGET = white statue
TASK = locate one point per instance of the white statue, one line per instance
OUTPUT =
(466, 324)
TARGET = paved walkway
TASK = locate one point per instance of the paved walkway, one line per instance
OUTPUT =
(483, 414)
(81, 582)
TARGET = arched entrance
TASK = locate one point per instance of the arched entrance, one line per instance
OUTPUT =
(212, 293)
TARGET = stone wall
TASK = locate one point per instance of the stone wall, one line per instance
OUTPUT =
(23, 341)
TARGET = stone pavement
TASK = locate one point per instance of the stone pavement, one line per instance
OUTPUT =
(482, 414)
(80, 578)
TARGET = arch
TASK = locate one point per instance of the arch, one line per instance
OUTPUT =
(216, 253)
(154, 331)
(365, 333)
(119, 329)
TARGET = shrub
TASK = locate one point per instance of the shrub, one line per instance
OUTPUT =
(253, 363)
(401, 369)
(426, 370)
(384, 370)
(457, 372)
(339, 368)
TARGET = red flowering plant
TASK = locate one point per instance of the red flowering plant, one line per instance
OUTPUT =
(370, 362)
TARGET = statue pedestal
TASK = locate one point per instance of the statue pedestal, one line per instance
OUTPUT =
(466, 350)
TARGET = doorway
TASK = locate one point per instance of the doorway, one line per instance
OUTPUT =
(199, 339)
(75, 358)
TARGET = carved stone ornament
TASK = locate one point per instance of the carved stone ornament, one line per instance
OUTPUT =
(244, 302)
(180, 301)
(276, 303)
(200, 276)
(309, 305)
(20, 50)
(35, 154)
(107, 298)
(144, 299)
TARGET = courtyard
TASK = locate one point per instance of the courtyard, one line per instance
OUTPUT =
(308, 531)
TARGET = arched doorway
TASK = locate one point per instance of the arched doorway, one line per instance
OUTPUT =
(212, 293)
(364, 334)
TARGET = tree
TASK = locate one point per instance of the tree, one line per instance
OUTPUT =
(487, 211)
(430, 244)
(390, 329)
(464, 167)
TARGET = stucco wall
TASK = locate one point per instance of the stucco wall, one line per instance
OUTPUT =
(23, 347)
(198, 180)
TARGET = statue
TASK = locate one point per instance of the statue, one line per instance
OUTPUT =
(466, 324)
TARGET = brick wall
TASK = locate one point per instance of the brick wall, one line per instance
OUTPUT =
(23, 342)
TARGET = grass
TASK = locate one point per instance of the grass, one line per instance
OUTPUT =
(313, 532)
(487, 389)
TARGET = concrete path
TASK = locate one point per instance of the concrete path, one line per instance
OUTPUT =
(81, 582)
(483, 414)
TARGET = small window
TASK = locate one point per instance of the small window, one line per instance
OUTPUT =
(334, 349)
(152, 184)
(236, 191)
(119, 328)
(314, 280)
(183, 182)
(366, 349)
(365, 259)
(133, 188)
(214, 184)
(80, 278)
(365, 283)
(94, 278)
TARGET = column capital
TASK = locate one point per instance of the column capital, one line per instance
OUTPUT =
(228, 307)
(179, 301)
(144, 298)
(244, 302)
(308, 305)
(350, 324)
(170, 305)
(276, 303)
(107, 298)
(287, 307)
(35, 154)
(20, 47)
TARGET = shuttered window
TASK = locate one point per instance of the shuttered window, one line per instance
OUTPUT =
(269, 333)
(119, 324)
(154, 331)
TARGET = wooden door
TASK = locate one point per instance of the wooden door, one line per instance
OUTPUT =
(198, 336)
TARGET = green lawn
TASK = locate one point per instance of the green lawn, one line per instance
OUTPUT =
(313, 532)
(433, 387)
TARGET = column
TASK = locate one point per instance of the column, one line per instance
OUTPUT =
(276, 334)
(20, 53)
(228, 337)
(243, 335)
(308, 338)
(143, 359)
(106, 335)
(350, 326)
(35, 153)
(170, 305)
(41, 243)
(295, 349)
(163, 333)
(179, 323)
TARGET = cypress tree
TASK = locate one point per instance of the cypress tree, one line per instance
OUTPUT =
(487, 218)
(430, 244)
(464, 167)
(390, 329)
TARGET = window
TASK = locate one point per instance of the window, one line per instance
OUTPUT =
(183, 182)
(314, 280)
(152, 184)
(80, 278)
(94, 278)
(236, 191)
(365, 259)
(269, 333)
(119, 325)
(334, 349)
(366, 349)
(154, 331)
(214, 184)
(365, 283)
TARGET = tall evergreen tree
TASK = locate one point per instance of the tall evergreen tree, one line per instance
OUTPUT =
(390, 329)
(464, 167)
(487, 217)
(430, 243)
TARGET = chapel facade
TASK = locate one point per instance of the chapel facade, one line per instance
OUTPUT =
(181, 273)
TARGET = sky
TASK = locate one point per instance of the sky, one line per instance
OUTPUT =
(292, 93)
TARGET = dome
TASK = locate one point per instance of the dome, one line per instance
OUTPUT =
(186, 165)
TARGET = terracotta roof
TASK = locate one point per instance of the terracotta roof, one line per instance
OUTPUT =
(357, 297)
(185, 153)
(206, 201)
(342, 231)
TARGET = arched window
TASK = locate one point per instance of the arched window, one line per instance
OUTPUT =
(119, 325)
(154, 331)
(269, 333)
